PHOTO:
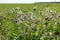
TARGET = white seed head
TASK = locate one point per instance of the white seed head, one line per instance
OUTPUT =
(11, 10)
(52, 12)
(35, 7)
(17, 8)
(50, 33)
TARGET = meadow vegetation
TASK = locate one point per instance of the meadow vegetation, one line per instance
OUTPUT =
(39, 21)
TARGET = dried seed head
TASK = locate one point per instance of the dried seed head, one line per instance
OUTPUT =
(48, 18)
(55, 22)
(33, 27)
(17, 8)
(30, 16)
(35, 8)
(40, 12)
(18, 21)
(59, 16)
(50, 33)
(52, 12)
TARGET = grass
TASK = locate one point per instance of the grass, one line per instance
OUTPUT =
(39, 28)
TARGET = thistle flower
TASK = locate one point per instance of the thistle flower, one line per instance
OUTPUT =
(21, 17)
(20, 13)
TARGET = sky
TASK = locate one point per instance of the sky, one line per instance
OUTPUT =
(26, 1)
